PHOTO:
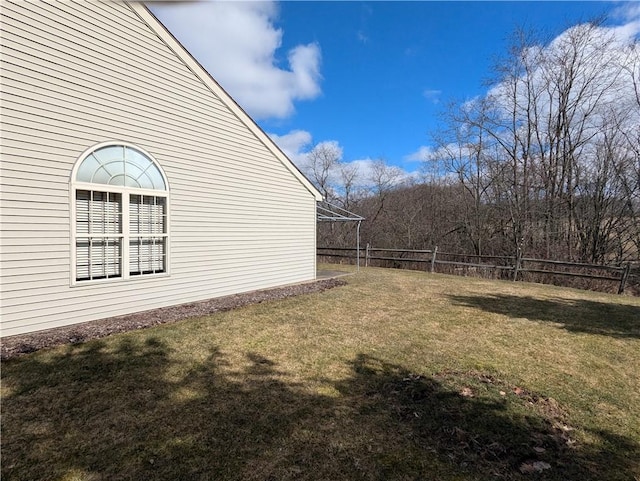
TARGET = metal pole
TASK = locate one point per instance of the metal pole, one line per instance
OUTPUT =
(358, 246)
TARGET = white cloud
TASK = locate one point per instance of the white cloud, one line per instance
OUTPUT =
(366, 172)
(294, 145)
(298, 143)
(238, 43)
(432, 95)
(628, 15)
(419, 155)
(602, 80)
(628, 12)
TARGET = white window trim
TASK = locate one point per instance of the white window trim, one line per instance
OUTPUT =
(125, 193)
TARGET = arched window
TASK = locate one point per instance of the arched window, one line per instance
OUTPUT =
(120, 228)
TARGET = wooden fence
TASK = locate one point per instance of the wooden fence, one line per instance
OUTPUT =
(503, 267)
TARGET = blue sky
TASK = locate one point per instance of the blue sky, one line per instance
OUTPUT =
(371, 77)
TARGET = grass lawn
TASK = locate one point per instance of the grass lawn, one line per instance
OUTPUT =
(399, 375)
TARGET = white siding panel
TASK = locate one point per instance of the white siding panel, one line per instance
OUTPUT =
(33, 282)
(65, 297)
(39, 321)
(240, 220)
(87, 52)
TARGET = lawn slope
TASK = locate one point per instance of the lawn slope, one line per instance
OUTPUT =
(398, 375)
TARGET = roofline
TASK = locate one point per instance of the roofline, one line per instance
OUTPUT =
(174, 44)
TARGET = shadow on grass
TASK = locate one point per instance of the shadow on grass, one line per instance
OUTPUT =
(616, 320)
(126, 411)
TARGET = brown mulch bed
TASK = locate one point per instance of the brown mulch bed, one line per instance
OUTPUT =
(15, 346)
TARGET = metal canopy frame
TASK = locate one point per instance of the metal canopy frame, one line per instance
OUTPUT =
(328, 212)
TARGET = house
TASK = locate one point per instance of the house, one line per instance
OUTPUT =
(130, 180)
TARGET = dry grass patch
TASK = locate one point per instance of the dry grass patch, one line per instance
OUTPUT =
(398, 375)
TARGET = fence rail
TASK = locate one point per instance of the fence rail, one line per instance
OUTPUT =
(511, 266)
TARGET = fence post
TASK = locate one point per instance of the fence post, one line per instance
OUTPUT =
(624, 277)
(518, 264)
(366, 256)
(433, 258)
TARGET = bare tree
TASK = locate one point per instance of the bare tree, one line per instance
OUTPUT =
(384, 177)
(461, 152)
(321, 164)
(547, 161)
(348, 174)
(382, 180)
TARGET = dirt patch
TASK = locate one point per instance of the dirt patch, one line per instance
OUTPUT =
(15, 346)
(474, 421)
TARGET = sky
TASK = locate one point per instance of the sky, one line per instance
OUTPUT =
(370, 78)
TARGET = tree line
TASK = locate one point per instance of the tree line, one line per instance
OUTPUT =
(546, 164)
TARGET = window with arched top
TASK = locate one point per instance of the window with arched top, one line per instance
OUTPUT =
(120, 165)
(120, 228)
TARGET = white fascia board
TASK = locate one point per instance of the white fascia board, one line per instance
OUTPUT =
(167, 37)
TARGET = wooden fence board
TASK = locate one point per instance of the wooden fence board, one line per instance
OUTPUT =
(516, 264)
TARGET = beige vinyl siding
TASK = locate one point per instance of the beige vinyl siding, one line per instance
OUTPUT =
(75, 74)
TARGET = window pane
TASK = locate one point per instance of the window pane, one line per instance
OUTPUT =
(106, 175)
(82, 211)
(98, 258)
(112, 166)
(98, 218)
(137, 159)
(82, 259)
(143, 170)
(134, 173)
(87, 169)
(147, 255)
(147, 214)
(105, 213)
(122, 166)
(159, 216)
(154, 178)
(105, 258)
